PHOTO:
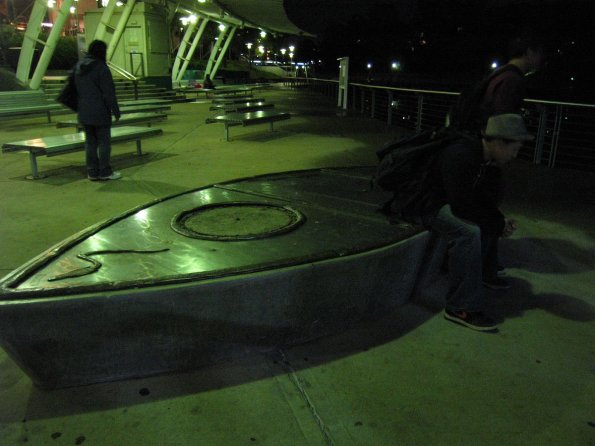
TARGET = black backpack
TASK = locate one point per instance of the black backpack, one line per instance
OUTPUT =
(404, 169)
(467, 115)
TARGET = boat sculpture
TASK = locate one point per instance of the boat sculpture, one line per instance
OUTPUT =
(172, 285)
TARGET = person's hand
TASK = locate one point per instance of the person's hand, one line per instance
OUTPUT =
(117, 117)
(509, 227)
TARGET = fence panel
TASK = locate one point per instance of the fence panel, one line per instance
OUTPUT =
(565, 132)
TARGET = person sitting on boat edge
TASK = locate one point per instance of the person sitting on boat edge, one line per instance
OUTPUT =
(462, 211)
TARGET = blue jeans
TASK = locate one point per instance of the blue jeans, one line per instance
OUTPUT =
(464, 243)
(98, 149)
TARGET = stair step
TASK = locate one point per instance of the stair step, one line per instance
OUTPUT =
(125, 89)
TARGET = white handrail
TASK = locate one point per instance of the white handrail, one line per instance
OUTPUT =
(122, 72)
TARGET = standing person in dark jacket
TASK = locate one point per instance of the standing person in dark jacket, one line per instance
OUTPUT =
(464, 213)
(507, 87)
(97, 103)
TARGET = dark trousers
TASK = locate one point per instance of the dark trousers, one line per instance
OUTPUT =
(98, 149)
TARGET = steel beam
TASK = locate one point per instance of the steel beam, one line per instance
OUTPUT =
(222, 53)
(192, 49)
(50, 44)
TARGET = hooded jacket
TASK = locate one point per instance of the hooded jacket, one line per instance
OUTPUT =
(97, 100)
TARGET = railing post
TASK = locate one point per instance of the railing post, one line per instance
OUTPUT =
(555, 136)
(373, 104)
(363, 101)
(541, 129)
(389, 120)
(420, 106)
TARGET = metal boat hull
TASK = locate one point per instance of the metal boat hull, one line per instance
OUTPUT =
(89, 329)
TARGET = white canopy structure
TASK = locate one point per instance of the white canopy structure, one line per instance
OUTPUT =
(117, 18)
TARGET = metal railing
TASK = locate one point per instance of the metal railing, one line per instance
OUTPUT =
(126, 75)
(565, 131)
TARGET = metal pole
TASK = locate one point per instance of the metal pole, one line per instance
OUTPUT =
(538, 154)
(222, 54)
(120, 27)
(390, 108)
(104, 21)
(50, 45)
(215, 51)
(555, 137)
(192, 49)
(182, 50)
(29, 40)
(420, 108)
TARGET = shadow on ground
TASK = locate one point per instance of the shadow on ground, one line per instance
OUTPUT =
(250, 363)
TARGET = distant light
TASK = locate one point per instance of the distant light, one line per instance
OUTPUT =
(191, 18)
(263, 34)
(51, 3)
(72, 9)
(261, 48)
(283, 51)
(291, 48)
(572, 78)
(368, 65)
(494, 64)
(221, 27)
(201, 1)
(119, 4)
(395, 66)
(249, 45)
(184, 20)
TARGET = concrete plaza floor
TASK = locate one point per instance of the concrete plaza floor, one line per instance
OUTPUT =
(406, 378)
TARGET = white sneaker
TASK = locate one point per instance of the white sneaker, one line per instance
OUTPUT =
(114, 176)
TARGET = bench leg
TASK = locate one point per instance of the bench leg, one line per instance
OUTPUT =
(33, 163)
(226, 132)
(49, 116)
(139, 150)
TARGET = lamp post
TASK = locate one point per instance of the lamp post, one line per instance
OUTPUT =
(249, 46)
(283, 51)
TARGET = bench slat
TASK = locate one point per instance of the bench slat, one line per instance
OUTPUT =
(242, 107)
(131, 118)
(249, 118)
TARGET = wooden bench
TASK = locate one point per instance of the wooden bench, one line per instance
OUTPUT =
(241, 107)
(58, 145)
(27, 102)
(250, 118)
(125, 119)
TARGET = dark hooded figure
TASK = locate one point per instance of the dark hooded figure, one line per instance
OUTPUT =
(96, 104)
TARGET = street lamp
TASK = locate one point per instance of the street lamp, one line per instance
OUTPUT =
(263, 34)
(249, 46)
(283, 51)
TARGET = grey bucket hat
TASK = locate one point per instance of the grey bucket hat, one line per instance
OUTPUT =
(507, 126)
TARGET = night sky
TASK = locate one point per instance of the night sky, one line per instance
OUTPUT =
(453, 42)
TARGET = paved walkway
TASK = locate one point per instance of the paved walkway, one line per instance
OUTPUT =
(408, 378)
